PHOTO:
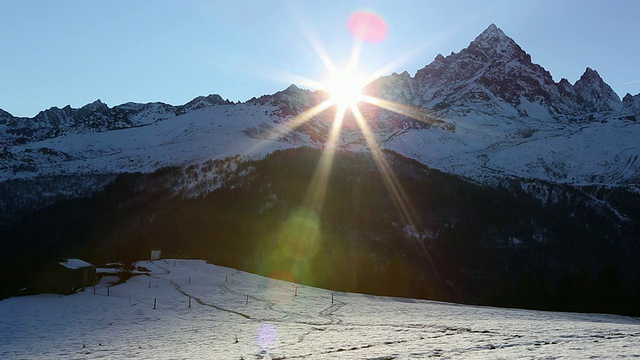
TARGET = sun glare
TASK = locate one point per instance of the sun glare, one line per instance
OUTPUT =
(345, 88)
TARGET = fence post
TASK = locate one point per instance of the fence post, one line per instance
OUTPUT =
(154, 303)
(108, 290)
(189, 301)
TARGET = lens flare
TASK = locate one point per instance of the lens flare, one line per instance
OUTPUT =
(294, 245)
(267, 337)
(368, 27)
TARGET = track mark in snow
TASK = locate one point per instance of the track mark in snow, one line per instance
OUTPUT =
(200, 301)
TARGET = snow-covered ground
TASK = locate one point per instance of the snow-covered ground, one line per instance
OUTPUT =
(235, 315)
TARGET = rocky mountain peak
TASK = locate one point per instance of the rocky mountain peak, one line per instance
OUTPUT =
(595, 93)
(5, 115)
(98, 104)
(632, 102)
(202, 102)
(493, 43)
(492, 32)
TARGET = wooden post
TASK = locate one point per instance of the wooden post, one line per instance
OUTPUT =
(149, 284)
(189, 301)
(247, 303)
(154, 303)
(189, 279)
(108, 290)
(332, 298)
(296, 293)
(94, 289)
(225, 278)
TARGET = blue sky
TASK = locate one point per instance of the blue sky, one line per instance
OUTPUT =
(63, 52)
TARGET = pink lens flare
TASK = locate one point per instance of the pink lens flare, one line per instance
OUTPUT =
(267, 336)
(368, 27)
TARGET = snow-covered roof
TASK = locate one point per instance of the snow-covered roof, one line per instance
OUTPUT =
(75, 264)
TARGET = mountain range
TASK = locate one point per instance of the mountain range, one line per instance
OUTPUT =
(485, 122)
(499, 115)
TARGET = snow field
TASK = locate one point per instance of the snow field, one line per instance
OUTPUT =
(236, 315)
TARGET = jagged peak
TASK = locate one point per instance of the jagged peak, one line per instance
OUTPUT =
(95, 105)
(492, 35)
(597, 93)
(5, 113)
(211, 98)
(492, 31)
(590, 78)
(404, 74)
(493, 42)
(589, 73)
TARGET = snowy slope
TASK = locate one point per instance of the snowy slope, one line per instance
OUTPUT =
(212, 132)
(236, 315)
(489, 149)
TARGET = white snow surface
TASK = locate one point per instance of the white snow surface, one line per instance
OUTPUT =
(236, 315)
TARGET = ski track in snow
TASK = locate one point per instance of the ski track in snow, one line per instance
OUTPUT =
(236, 315)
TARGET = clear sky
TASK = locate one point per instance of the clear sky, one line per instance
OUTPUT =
(64, 52)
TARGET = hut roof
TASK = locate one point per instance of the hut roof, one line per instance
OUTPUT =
(75, 264)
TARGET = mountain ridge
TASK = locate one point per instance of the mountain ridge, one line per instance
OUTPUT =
(489, 97)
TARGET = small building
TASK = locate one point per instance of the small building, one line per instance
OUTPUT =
(78, 274)
(67, 276)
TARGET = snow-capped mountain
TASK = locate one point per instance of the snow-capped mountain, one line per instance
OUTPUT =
(494, 76)
(513, 120)
(485, 113)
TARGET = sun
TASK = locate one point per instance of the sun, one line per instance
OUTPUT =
(345, 88)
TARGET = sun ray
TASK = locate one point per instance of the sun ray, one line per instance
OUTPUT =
(398, 195)
(318, 187)
(413, 112)
(298, 121)
(302, 118)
